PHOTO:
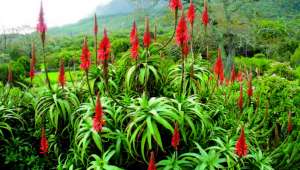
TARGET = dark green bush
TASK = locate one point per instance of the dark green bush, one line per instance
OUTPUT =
(3, 71)
(295, 58)
(119, 46)
(282, 69)
(17, 70)
(262, 64)
(259, 55)
(25, 62)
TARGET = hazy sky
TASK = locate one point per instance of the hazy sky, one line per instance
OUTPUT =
(57, 12)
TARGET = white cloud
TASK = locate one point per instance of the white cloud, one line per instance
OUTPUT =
(15, 13)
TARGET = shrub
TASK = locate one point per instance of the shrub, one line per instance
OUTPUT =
(262, 64)
(295, 58)
(119, 46)
(3, 71)
(279, 92)
(25, 62)
(259, 55)
(282, 69)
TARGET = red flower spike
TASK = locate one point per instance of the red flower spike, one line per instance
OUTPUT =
(241, 148)
(250, 89)
(104, 48)
(175, 5)
(185, 49)
(32, 62)
(182, 34)
(151, 165)
(219, 68)
(176, 137)
(290, 126)
(134, 41)
(227, 81)
(205, 17)
(31, 72)
(9, 75)
(41, 26)
(134, 51)
(33, 55)
(133, 33)
(232, 74)
(240, 77)
(98, 120)
(85, 56)
(61, 76)
(191, 13)
(95, 25)
(44, 143)
(240, 101)
(147, 34)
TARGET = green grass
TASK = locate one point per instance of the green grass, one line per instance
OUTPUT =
(39, 79)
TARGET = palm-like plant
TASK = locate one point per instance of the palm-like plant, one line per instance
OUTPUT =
(7, 119)
(144, 74)
(57, 108)
(148, 120)
(102, 163)
(261, 161)
(192, 116)
(96, 73)
(195, 76)
(226, 146)
(173, 163)
(204, 160)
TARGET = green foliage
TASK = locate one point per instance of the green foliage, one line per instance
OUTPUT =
(262, 64)
(282, 69)
(278, 93)
(120, 46)
(142, 103)
(149, 118)
(259, 55)
(295, 59)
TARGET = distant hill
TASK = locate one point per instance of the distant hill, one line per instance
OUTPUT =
(116, 7)
(119, 14)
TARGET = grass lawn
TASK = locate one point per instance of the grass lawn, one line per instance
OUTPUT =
(39, 79)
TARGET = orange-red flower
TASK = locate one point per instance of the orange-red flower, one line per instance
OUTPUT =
(147, 34)
(290, 126)
(104, 47)
(133, 33)
(240, 77)
(205, 17)
(185, 49)
(176, 137)
(31, 72)
(44, 143)
(134, 40)
(182, 34)
(232, 74)
(98, 120)
(191, 13)
(241, 148)
(219, 68)
(41, 26)
(151, 165)
(85, 56)
(250, 88)
(61, 76)
(9, 75)
(175, 4)
(95, 25)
